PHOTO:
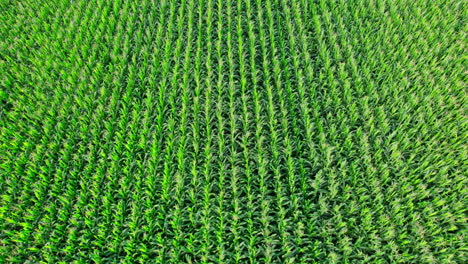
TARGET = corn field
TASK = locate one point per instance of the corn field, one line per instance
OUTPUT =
(219, 131)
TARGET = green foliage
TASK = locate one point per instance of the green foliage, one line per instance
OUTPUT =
(249, 131)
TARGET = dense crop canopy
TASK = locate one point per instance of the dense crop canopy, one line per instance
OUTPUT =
(219, 131)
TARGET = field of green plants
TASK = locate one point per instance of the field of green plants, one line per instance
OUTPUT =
(219, 131)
